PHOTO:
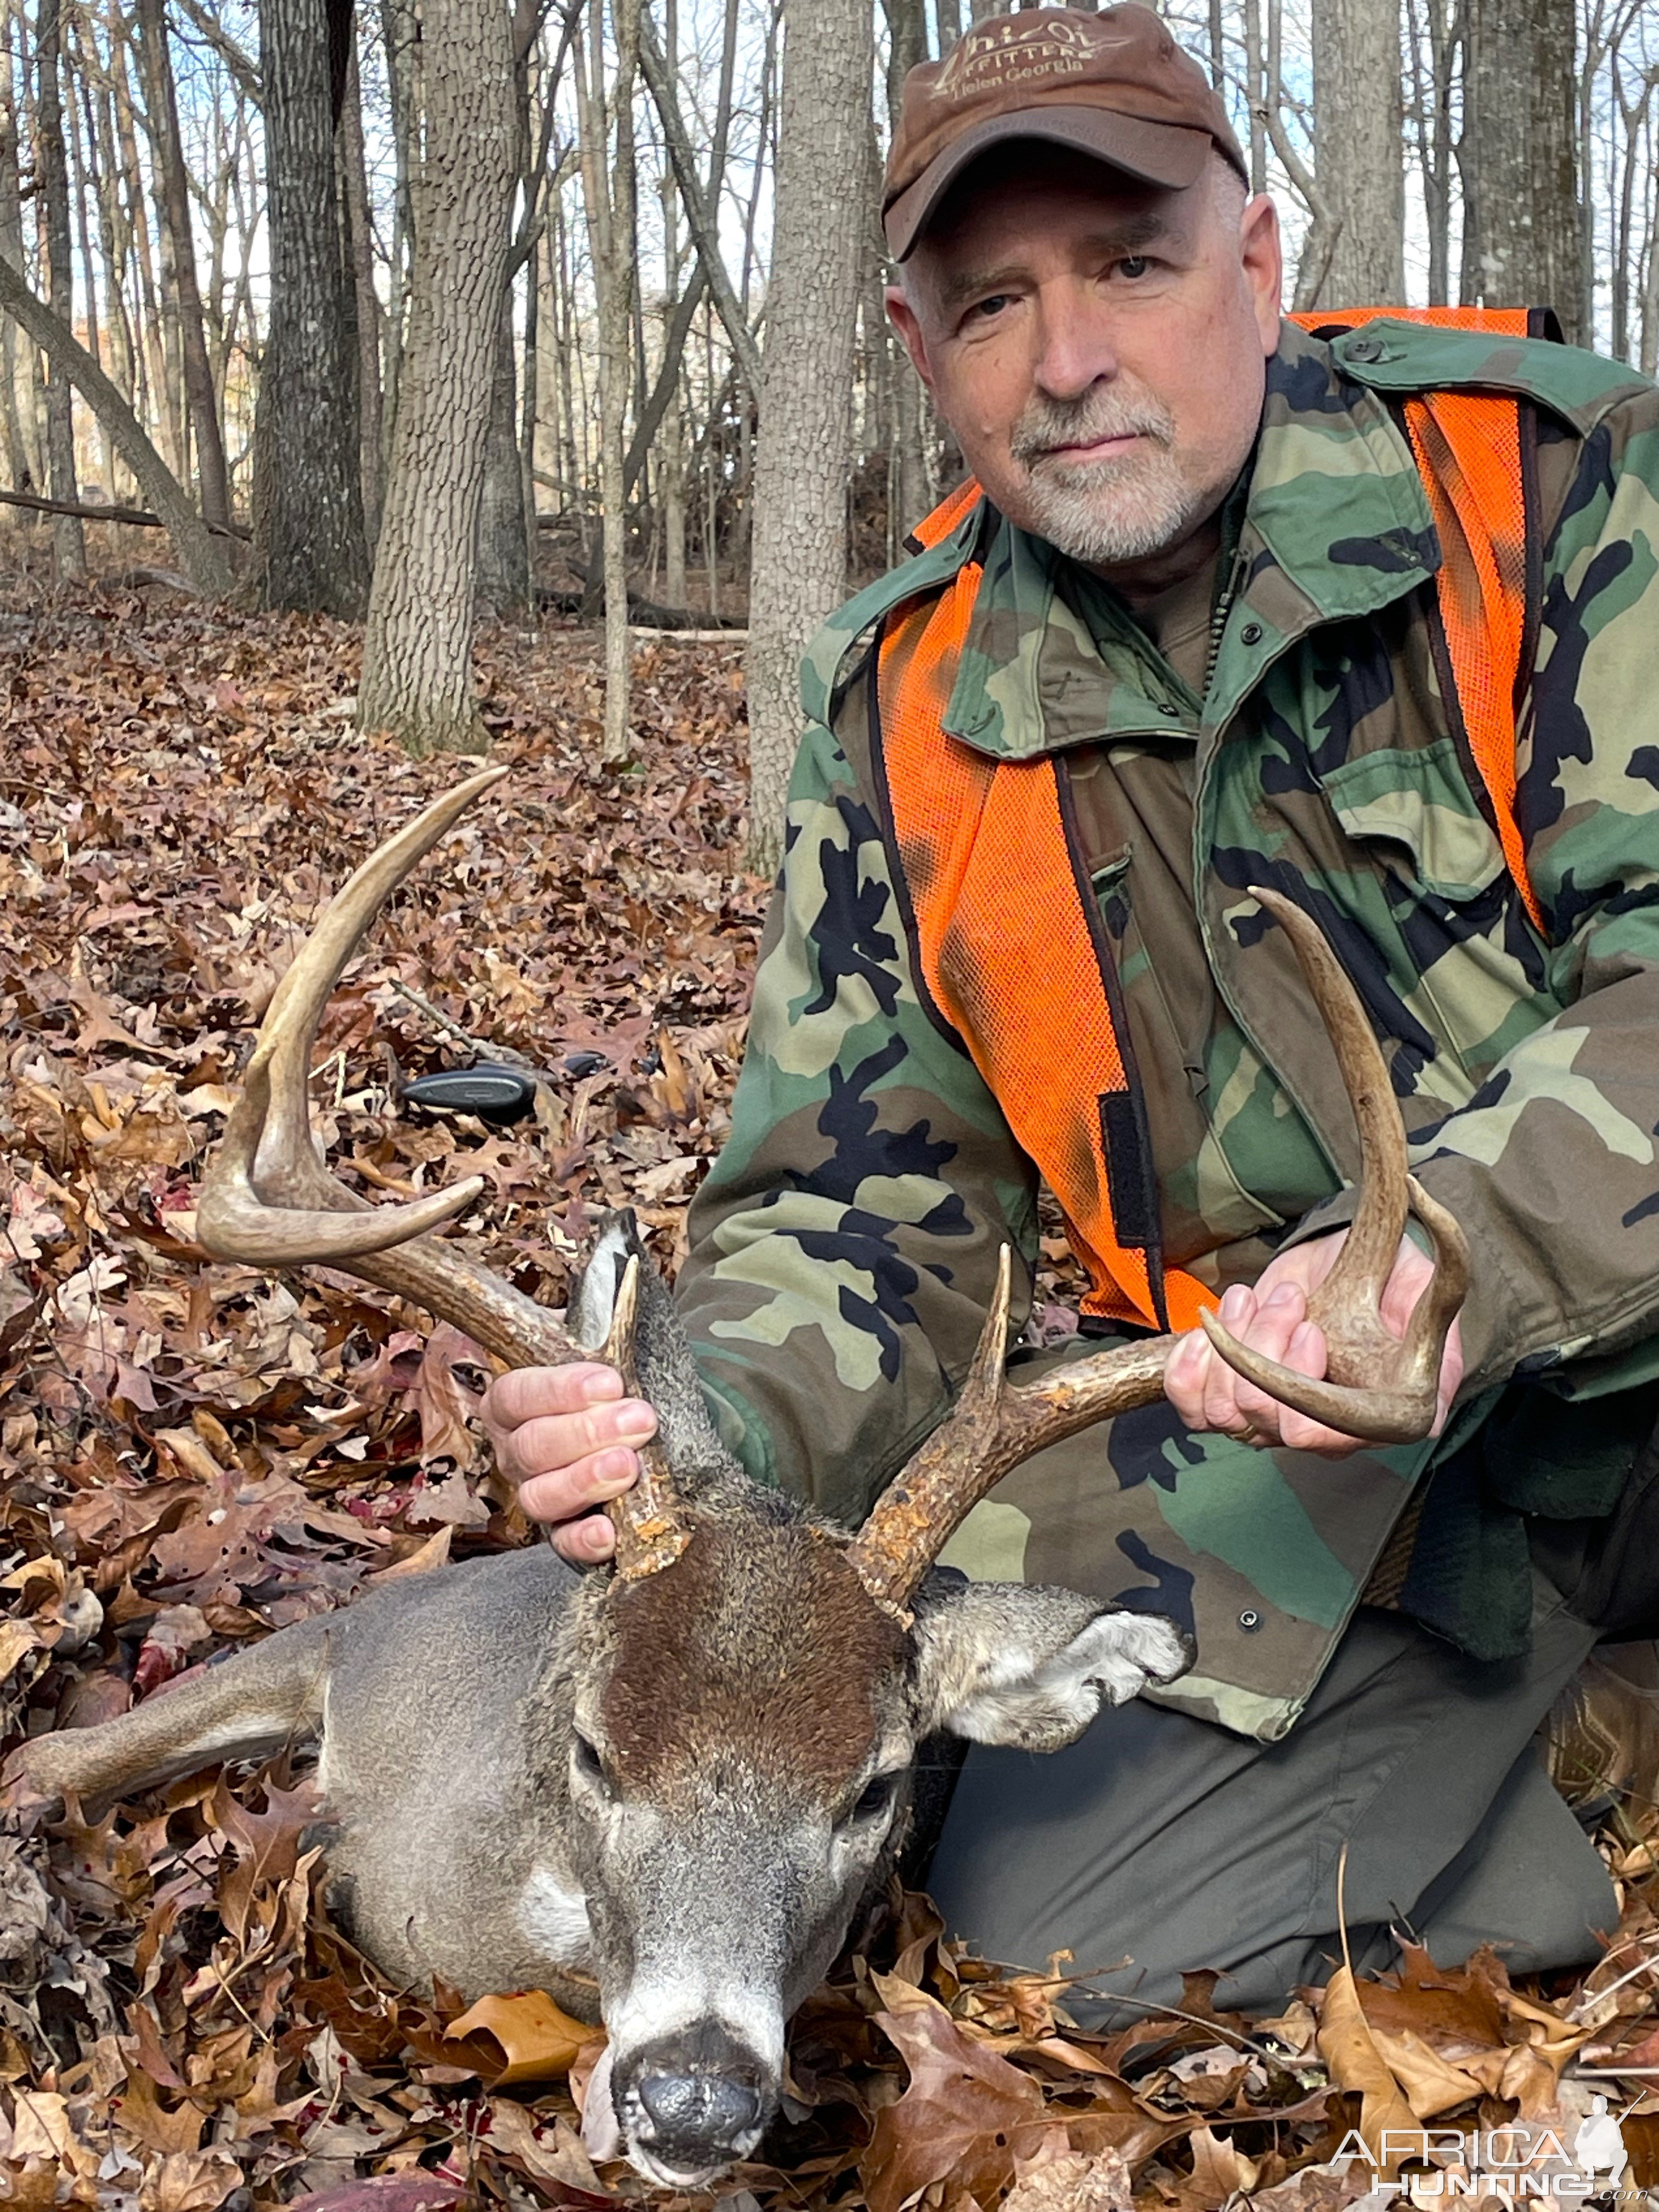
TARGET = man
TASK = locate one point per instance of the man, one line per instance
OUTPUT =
(1201, 611)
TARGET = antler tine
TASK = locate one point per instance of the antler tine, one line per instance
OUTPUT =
(651, 1529)
(993, 1425)
(268, 1198)
(1376, 1386)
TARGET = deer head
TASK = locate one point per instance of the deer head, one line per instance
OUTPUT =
(723, 1727)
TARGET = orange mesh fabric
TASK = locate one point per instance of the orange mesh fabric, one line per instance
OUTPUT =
(1006, 951)
(1503, 322)
(1004, 941)
(946, 516)
(1467, 448)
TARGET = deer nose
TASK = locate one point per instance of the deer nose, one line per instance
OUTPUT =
(707, 2111)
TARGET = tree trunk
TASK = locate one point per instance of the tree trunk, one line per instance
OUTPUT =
(503, 585)
(371, 429)
(194, 549)
(1519, 159)
(307, 491)
(530, 396)
(15, 394)
(799, 570)
(151, 376)
(1359, 128)
(200, 393)
(610, 214)
(417, 644)
(399, 32)
(67, 540)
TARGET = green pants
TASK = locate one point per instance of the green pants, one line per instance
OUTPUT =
(1159, 1842)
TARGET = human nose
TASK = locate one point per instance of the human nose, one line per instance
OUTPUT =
(1074, 347)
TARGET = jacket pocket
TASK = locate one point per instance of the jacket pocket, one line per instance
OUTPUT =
(1413, 811)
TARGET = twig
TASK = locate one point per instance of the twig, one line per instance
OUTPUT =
(476, 1045)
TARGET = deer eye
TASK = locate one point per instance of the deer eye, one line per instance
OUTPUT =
(874, 1799)
(589, 1764)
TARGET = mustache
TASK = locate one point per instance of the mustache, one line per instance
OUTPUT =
(1047, 424)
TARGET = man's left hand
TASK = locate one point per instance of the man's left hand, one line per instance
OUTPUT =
(1273, 1319)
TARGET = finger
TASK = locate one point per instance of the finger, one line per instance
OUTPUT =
(569, 1491)
(1279, 1321)
(1185, 1375)
(1451, 1377)
(524, 1393)
(584, 1543)
(1306, 1353)
(1409, 1277)
(560, 1440)
(1239, 1312)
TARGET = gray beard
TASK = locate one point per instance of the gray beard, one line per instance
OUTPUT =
(1105, 514)
(1107, 511)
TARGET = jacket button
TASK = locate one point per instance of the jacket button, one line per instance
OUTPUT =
(1251, 634)
(1366, 350)
(1249, 1621)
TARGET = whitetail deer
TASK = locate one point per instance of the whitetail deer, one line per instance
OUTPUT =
(661, 1791)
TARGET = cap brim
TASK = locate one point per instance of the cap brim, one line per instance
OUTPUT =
(1167, 153)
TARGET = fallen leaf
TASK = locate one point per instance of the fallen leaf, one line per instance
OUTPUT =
(537, 2039)
(966, 2113)
(1349, 2050)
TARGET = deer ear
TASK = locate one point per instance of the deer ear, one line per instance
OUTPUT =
(662, 1352)
(1015, 1663)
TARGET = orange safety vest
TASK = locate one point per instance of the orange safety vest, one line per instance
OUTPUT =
(1007, 933)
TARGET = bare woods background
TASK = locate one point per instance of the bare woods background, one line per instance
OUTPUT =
(418, 308)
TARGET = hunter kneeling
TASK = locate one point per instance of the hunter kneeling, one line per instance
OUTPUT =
(1359, 609)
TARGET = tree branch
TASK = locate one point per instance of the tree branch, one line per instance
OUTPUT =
(136, 518)
(236, 58)
(698, 219)
(197, 555)
(673, 346)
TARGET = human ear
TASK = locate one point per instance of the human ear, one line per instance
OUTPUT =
(906, 321)
(1262, 255)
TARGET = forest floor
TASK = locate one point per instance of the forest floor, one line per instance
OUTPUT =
(191, 1454)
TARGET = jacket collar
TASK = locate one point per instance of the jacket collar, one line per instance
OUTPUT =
(1336, 524)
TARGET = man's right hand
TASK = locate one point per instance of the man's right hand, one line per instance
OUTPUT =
(565, 1435)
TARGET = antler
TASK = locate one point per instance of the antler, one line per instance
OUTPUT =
(1379, 1388)
(269, 1200)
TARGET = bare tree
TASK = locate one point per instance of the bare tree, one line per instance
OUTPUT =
(174, 185)
(417, 644)
(15, 360)
(1358, 133)
(611, 222)
(307, 489)
(799, 564)
(366, 316)
(503, 580)
(68, 542)
(1518, 157)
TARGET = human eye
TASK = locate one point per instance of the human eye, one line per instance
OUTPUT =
(1134, 266)
(987, 309)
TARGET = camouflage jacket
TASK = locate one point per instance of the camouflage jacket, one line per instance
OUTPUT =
(842, 1248)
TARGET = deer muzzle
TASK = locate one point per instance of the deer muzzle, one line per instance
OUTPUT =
(694, 2102)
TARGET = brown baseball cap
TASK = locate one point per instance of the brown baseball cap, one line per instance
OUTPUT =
(1113, 86)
